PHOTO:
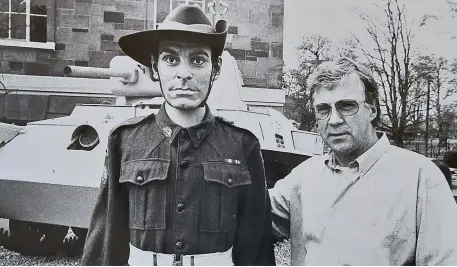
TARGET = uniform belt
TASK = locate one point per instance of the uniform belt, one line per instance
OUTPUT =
(140, 257)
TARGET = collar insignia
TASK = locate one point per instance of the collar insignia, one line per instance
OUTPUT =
(167, 131)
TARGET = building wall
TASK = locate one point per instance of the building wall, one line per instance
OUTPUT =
(86, 32)
(256, 40)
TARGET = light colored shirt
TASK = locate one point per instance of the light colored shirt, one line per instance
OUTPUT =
(390, 207)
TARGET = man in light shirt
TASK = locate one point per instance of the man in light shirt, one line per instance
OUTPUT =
(366, 202)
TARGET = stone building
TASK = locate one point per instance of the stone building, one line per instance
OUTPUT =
(40, 37)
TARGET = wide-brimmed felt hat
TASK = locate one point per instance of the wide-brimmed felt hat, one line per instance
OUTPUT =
(184, 23)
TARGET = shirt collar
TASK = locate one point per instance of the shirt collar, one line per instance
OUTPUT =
(365, 161)
(197, 133)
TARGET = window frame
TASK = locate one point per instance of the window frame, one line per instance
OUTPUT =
(27, 43)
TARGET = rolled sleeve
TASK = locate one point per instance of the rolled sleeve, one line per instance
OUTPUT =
(280, 196)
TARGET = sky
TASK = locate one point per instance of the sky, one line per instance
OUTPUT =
(336, 18)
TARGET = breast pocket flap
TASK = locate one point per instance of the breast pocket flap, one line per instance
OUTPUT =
(141, 172)
(227, 174)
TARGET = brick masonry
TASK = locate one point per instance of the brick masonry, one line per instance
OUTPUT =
(86, 33)
(255, 40)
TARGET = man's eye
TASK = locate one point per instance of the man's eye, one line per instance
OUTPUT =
(198, 61)
(171, 60)
(347, 105)
(322, 109)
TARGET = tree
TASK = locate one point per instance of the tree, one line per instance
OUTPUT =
(449, 121)
(452, 6)
(313, 50)
(453, 78)
(392, 61)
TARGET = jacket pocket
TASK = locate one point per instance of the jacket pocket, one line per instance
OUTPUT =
(220, 194)
(146, 183)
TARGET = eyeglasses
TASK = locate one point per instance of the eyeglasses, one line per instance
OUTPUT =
(345, 107)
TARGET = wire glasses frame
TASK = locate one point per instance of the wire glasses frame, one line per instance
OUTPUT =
(345, 107)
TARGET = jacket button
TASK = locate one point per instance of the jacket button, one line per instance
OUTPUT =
(184, 164)
(180, 207)
(139, 179)
(230, 181)
(179, 245)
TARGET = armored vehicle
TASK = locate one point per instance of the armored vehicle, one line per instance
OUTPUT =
(50, 170)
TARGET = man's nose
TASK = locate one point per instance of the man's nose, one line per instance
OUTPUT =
(184, 72)
(335, 117)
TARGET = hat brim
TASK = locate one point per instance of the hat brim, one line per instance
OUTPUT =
(141, 45)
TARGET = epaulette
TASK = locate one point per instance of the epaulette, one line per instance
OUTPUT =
(222, 119)
(233, 125)
(131, 122)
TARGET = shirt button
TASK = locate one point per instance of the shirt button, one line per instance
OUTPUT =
(184, 164)
(179, 245)
(180, 207)
(184, 132)
(230, 181)
(139, 179)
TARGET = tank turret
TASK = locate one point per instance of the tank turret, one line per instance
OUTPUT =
(50, 170)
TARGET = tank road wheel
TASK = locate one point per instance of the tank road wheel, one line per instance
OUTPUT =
(35, 239)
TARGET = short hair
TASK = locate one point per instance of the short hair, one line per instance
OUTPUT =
(330, 73)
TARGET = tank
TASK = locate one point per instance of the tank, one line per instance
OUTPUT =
(50, 170)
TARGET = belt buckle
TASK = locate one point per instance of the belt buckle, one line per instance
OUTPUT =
(177, 262)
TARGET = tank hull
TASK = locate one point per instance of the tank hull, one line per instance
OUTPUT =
(51, 170)
(65, 205)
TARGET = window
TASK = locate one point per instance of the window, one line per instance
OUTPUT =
(23, 20)
(279, 140)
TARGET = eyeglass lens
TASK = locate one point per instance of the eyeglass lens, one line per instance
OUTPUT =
(345, 107)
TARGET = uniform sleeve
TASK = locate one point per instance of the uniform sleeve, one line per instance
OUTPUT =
(107, 241)
(436, 220)
(254, 242)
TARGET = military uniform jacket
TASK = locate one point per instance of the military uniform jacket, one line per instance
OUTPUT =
(182, 191)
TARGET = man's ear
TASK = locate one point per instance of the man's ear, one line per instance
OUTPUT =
(374, 111)
(217, 68)
(154, 71)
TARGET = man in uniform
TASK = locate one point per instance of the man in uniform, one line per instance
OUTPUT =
(366, 202)
(181, 187)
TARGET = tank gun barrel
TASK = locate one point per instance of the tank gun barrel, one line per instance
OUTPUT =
(96, 72)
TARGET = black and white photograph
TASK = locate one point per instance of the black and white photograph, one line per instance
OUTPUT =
(228, 132)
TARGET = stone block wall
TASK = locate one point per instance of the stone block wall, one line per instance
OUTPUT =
(86, 32)
(256, 40)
